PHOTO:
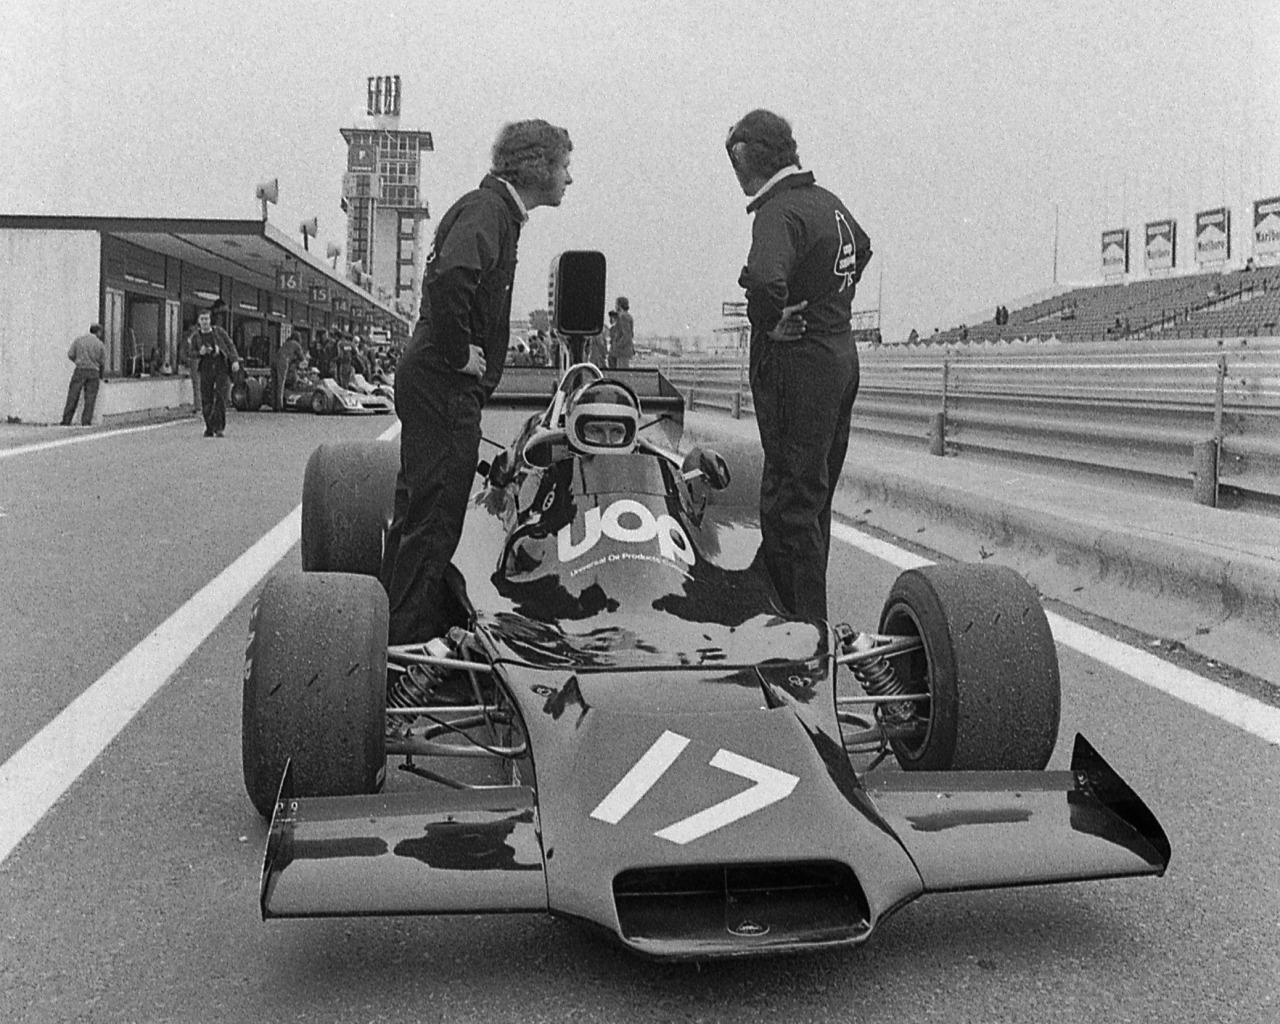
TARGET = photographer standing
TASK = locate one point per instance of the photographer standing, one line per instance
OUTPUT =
(218, 359)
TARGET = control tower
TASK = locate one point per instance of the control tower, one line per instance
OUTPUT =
(382, 197)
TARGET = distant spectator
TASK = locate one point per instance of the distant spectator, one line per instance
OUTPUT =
(598, 349)
(1249, 265)
(622, 336)
(287, 359)
(190, 358)
(329, 355)
(964, 332)
(90, 358)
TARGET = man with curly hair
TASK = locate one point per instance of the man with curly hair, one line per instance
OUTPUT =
(451, 366)
(807, 255)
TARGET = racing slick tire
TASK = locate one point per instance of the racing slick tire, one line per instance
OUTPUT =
(319, 402)
(989, 665)
(247, 394)
(315, 678)
(256, 393)
(348, 495)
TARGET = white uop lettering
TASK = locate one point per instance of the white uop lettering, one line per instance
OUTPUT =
(611, 522)
(564, 539)
(628, 522)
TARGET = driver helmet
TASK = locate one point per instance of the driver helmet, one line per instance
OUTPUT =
(603, 418)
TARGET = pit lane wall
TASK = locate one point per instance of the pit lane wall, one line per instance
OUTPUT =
(1158, 409)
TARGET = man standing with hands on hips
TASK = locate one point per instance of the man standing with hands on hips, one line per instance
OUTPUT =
(453, 363)
(807, 255)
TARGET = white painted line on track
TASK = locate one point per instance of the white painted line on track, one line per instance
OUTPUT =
(62, 442)
(33, 779)
(1222, 702)
(47, 765)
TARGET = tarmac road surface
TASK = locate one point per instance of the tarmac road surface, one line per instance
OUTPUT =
(134, 897)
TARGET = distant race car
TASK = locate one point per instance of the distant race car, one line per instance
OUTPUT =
(623, 729)
(306, 391)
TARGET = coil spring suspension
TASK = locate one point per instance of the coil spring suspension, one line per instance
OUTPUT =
(879, 679)
(412, 687)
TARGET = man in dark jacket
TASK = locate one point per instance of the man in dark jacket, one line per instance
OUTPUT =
(452, 364)
(621, 334)
(807, 255)
(218, 359)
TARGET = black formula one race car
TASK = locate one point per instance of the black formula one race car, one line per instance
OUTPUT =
(623, 729)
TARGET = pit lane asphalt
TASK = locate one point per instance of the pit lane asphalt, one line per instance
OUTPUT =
(134, 899)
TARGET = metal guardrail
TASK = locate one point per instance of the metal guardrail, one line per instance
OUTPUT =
(1199, 410)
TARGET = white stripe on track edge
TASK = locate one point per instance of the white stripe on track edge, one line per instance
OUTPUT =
(48, 764)
(62, 442)
(1222, 702)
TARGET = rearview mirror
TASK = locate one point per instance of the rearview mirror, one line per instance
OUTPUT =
(708, 464)
(576, 291)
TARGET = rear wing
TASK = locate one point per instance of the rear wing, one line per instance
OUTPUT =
(533, 387)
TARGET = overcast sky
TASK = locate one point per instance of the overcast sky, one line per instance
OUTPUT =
(950, 130)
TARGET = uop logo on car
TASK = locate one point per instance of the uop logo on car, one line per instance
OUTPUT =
(629, 522)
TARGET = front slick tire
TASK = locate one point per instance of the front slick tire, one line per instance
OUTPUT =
(315, 687)
(989, 665)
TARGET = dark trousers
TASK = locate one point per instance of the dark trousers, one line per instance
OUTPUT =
(215, 392)
(86, 380)
(803, 394)
(439, 414)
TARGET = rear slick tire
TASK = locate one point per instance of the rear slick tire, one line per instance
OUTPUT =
(348, 495)
(315, 688)
(989, 665)
(256, 392)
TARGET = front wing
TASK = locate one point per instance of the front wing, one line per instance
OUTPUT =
(863, 853)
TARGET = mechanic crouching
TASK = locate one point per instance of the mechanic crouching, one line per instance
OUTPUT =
(807, 255)
(453, 363)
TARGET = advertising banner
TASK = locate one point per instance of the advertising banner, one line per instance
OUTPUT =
(1115, 253)
(1160, 247)
(1266, 228)
(1213, 235)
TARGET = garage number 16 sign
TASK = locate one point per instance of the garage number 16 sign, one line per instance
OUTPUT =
(288, 281)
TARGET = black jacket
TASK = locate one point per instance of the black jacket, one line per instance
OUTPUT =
(805, 245)
(466, 292)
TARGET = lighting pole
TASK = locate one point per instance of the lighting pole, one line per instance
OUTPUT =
(1055, 243)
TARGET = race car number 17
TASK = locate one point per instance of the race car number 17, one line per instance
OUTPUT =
(771, 785)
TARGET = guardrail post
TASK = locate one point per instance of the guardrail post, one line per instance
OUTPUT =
(938, 428)
(1206, 455)
(737, 405)
(1204, 473)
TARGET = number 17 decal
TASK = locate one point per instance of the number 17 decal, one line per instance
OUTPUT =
(771, 785)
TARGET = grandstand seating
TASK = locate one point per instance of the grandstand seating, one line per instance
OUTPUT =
(1201, 305)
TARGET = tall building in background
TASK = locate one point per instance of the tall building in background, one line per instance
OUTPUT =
(382, 197)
